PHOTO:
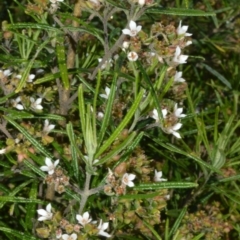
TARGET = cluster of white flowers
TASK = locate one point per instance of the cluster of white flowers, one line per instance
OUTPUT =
(82, 220)
(170, 123)
(132, 32)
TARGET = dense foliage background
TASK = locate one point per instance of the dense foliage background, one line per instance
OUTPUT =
(200, 200)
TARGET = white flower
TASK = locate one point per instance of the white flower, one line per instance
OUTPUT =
(127, 179)
(73, 236)
(173, 130)
(102, 227)
(5, 73)
(50, 167)
(46, 214)
(100, 115)
(125, 45)
(178, 112)
(132, 56)
(178, 58)
(97, 2)
(178, 77)
(107, 91)
(48, 127)
(36, 104)
(141, 2)
(2, 151)
(16, 104)
(182, 31)
(84, 219)
(55, 1)
(158, 176)
(155, 114)
(134, 29)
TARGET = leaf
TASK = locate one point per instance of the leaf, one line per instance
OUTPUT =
(179, 12)
(108, 111)
(121, 126)
(40, 26)
(32, 140)
(16, 190)
(218, 75)
(118, 149)
(164, 185)
(18, 234)
(60, 50)
(195, 158)
(177, 222)
(74, 155)
(31, 207)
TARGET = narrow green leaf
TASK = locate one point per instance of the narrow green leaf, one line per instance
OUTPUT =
(16, 190)
(35, 169)
(139, 196)
(218, 75)
(73, 195)
(29, 66)
(108, 111)
(177, 222)
(149, 83)
(18, 234)
(121, 126)
(164, 185)
(60, 50)
(19, 200)
(195, 158)
(31, 207)
(118, 149)
(74, 155)
(82, 111)
(40, 26)
(5, 98)
(14, 114)
(33, 141)
(154, 232)
(179, 12)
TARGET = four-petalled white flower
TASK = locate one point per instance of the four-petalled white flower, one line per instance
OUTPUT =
(45, 214)
(158, 176)
(182, 31)
(178, 77)
(50, 166)
(36, 104)
(133, 29)
(48, 127)
(83, 219)
(107, 91)
(16, 103)
(132, 56)
(128, 178)
(178, 58)
(73, 236)
(102, 227)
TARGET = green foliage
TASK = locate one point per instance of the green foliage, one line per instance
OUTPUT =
(129, 156)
